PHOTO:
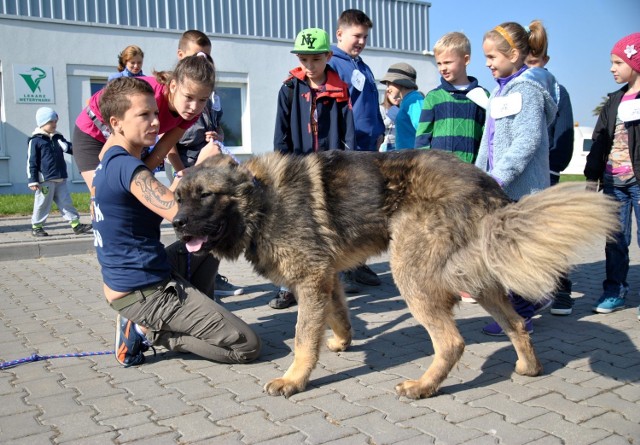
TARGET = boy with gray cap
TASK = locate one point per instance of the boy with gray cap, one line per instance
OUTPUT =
(47, 173)
(401, 81)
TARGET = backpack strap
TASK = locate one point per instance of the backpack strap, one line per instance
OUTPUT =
(289, 84)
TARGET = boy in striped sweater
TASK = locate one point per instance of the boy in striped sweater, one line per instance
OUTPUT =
(453, 114)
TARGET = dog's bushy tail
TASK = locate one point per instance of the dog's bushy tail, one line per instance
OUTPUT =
(528, 244)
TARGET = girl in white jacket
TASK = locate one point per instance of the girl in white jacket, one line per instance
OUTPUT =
(515, 144)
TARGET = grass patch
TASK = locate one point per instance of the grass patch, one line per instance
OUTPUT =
(572, 178)
(15, 205)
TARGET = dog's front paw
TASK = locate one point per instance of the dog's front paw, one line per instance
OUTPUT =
(412, 389)
(282, 387)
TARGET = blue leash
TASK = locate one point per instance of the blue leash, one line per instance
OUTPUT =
(37, 358)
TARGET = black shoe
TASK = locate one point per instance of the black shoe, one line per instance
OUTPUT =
(562, 304)
(349, 285)
(222, 287)
(283, 300)
(364, 275)
(82, 228)
(38, 231)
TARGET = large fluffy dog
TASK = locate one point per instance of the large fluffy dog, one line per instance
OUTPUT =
(449, 228)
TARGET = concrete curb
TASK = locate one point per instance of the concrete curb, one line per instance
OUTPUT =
(58, 246)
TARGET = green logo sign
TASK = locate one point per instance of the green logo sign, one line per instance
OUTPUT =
(33, 79)
(33, 84)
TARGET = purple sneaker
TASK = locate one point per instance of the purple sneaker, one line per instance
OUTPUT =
(495, 329)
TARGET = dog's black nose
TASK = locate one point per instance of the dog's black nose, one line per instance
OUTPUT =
(179, 222)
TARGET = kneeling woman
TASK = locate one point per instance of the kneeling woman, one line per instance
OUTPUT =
(156, 305)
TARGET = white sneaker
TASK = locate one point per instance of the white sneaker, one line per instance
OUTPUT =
(467, 298)
(222, 287)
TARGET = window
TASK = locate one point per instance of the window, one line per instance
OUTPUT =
(231, 100)
(97, 85)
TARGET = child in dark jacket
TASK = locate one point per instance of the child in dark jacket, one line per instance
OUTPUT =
(314, 111)
(47, 173)
(614, 161)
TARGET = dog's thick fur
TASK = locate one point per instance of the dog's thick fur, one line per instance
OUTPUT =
(448, 226)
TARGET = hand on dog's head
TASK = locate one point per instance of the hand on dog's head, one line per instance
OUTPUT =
(218, 160)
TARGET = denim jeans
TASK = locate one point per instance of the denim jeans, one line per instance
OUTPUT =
(617, 250)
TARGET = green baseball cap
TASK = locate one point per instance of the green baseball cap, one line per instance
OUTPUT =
(312, 41)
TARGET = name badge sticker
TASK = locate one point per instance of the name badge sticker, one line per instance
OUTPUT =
(479, 97)
(357, 80)
(504, 106)
(629, 110)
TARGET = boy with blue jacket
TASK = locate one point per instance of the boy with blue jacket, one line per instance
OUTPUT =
(352, 33)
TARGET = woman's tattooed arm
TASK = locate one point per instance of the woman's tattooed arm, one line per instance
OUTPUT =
(154, 193)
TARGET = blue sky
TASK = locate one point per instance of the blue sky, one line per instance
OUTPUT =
(581, 35)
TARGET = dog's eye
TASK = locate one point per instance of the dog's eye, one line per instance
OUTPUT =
(204, 195)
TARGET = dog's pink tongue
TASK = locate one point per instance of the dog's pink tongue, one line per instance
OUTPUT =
(194, 244)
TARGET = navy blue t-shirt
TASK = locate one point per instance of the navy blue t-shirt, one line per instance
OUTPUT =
(127, 234)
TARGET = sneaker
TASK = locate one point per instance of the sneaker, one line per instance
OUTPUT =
(38, 231)
(222, 287)
(495, 329)
(611, 301)
(82, 228)
(283, 300)
(562, 304)
(542, 305)
(364, 275)
(130, 345)
(467, 298)
(349, 285)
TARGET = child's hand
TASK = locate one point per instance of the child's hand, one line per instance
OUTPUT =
(211, 136)
(211, 149)
(34, 188)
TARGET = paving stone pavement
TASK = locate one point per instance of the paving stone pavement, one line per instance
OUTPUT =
(52, 303)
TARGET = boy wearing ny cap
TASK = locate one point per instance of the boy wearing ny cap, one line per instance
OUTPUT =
(401, 81)
(47, 173)
(614, 161)
(314, 112)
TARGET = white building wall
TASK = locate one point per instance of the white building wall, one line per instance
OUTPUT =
(80, 52)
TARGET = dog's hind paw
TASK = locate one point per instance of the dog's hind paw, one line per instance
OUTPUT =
(531, 369)
(412, 389)
(336, 344)
(282, 387)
